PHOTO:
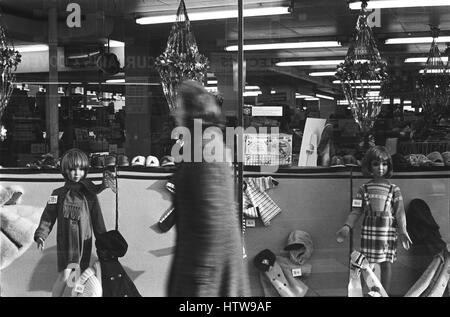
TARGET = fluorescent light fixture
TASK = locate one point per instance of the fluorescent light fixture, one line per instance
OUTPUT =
(423, 59)
(212, 89)
(114, 43)
(113, 81)
(212, 82)
(386, 4)
(342, 102)
(324, 97)
(417, 40)
(407, 102)
(300, 96)
(272, 92)
(32, 48)
(252, 93)
(433, 71)
(409, 108)
(283, 46)
(127, 84)
(215, 15)
(397, 101)
(364, 81)
(368, 87)
(310, 63)
(373, 93)
(252, 88)
(322, 74)
(311, 98)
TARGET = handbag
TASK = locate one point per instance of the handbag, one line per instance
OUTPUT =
(110, 246)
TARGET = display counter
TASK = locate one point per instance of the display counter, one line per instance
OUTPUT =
(313, 200)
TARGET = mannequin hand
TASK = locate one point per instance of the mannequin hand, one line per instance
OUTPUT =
(405, 239)
(40, 244)
(342, 234)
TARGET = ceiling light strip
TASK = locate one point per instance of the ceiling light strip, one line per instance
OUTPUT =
(324, 97)
(423, 59)
(310, 63)
(417, 40)
(282, 46)
(322, 74)
(215, 15)
(388, 4)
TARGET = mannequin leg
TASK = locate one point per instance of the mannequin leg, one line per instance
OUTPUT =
(386, 275)
(60, 284)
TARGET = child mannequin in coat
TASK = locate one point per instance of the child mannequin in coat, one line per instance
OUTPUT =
(384, 221)
(76, 210)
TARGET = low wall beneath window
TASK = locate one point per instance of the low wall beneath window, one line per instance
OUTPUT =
(314, 202)
(318, 204)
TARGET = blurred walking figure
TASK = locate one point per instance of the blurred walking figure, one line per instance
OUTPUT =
(208, 258)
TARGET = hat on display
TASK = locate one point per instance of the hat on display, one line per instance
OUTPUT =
(436, 158)
(151, 161)
(264, 260)
(299, 245)
(446, 158)
(167, 160)
(337, 161)
(122, 160)
(110, 160)
(98, 161)
(350, 160)
(138, 161)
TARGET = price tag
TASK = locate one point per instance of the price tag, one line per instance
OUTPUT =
(297, 272)
(79, 288)
(250, 222)
(53, 200)
(357, 203)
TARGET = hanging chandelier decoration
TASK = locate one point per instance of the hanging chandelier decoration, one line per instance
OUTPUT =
(433, 84)
(181, 60)
(363, 75)
(9, 60)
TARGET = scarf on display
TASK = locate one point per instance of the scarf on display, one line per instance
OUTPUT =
(76, 211)
(257, 203)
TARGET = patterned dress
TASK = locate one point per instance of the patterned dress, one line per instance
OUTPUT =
(384, 218)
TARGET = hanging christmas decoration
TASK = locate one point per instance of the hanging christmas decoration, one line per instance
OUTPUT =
(181, 60)
(433, 84)
(362, 76)
(9, 60)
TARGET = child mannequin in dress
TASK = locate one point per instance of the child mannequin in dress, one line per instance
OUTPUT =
(384, 220)
(76, 210)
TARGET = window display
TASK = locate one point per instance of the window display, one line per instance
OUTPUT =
(314, 88)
